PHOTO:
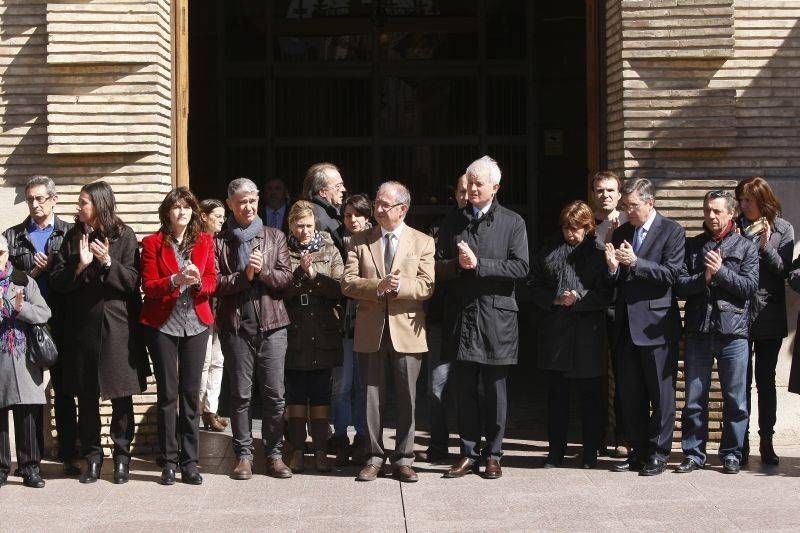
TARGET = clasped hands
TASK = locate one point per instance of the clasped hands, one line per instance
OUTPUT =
(623, 255)
(254, 264)
(307, 264)
(467, 259)
(89, 251)
(713, 262)
(567, 298)
(189, 275)
(390, 283)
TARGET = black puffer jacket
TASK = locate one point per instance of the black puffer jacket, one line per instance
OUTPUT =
(721, 306)
(770, 300)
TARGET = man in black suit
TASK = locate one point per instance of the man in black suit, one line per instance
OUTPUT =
(645, 258)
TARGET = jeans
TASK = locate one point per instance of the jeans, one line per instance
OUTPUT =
(347, 410)
(438, 378)
(765, 352)
(242, 360)
(732, 356)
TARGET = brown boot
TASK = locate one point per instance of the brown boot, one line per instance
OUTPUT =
(243, 469)
(277, 468)
(296, 416)
(320, 414)
(211, 422)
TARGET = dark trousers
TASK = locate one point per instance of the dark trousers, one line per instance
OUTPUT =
(66, 413)
(405, 371)
(243, 359)
(590, 391)
(765, 352)
(619, 424)
(647, 376)
(121, 427)
(468, 376)
(438, 379)
(308, 387)
(26, 436)
(178, 364)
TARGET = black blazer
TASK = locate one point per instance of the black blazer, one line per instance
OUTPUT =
(646, 297)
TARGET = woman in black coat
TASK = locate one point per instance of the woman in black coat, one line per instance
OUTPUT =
(775, 242)
(569, 282)
(103, 348)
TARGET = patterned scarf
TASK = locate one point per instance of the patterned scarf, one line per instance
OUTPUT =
(314, 245)
(12, 338)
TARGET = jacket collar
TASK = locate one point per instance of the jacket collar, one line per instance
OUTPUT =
(329, 208)
(59, 227)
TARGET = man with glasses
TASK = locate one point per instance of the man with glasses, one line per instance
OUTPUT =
(644, 259)
(718, 279)
(324, 188)
(35, 246)
(389, 271)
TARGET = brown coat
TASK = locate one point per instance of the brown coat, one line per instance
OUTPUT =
(315, 339)
(232, 285)
(363, 272)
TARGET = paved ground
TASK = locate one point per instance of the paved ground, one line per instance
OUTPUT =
(526, 498)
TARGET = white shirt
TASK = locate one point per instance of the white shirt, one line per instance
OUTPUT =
(482, 212)
(396, 232)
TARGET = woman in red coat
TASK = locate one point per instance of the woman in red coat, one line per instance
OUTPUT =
(178, 277)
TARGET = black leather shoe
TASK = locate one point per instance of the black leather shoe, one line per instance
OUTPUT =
(553, 461)
(631, 464)
(191, 477)
(31, 477)
(767, 450)
(730, 466)
(653, 467)
(92, 473)
(3, 478)
(745, 450)
(167, 476)
(71, 469)
(121, 473)
(688, 465)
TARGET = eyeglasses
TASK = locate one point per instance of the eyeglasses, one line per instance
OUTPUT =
(337, 186)
(38, 199)
(384, 206)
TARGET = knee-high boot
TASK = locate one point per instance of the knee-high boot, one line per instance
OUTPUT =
(296, 416)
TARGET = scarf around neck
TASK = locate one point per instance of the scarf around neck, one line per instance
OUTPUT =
(242, 237)
(12, 338)
(314, 245)
(724, 233)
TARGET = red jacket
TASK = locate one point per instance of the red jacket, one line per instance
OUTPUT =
(159, 263)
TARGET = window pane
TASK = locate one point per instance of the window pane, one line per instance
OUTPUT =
(244, 107)
(429, 106)
(322, 107)
(506, 105)
(505, 29)
(400, 46)
(430, 172)
(245, 30)
(306, 9)
(246, 161)
(297, 49)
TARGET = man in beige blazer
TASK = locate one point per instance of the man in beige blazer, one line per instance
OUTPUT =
(390, 272)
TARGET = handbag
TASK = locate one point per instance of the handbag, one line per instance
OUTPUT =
(42, 351)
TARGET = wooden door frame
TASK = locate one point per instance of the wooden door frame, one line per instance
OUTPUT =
(596, 157)
(180, 92)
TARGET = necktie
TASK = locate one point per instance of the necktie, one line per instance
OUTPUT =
(388, 252)
(638, 239)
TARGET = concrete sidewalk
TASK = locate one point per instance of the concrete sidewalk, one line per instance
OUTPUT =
(526, 498)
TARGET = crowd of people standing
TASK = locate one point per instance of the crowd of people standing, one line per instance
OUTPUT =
(312, 305)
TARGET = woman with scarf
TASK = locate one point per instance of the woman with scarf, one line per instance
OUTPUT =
(103, 348)
(315, 345)
(178, 278)
(21, 383)
(569, 283)
(760, 212)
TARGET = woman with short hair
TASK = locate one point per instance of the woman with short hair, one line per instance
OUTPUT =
(21, 382)
(178, 278)
(761, 222)
(314, 342)
(104, 356)
(569, 283)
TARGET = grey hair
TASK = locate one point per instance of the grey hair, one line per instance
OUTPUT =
(485, 167)
(316, 179)
(641, 185)
(35, 181)
(401, 193)
(241, 185)
(730, 200)
(3, 242)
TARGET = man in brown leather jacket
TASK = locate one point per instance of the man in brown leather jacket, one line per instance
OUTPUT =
(253, 266)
